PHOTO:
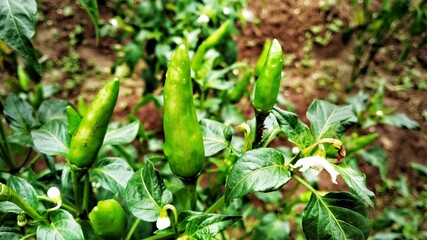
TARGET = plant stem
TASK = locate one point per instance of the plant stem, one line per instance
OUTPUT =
(127, 156)
(217, 205)
(259, 129)
(63, 205)
(190, 185)
(133, 228)
(161, 236)
(307, 185)
(76, 189)
(5, 147)
(85, 193)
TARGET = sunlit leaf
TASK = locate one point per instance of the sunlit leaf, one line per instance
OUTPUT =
(328, 120)
(122, 135)
(112, 173)
(52, 138)
(146, 193)
(204, 225)
(216, 136)
(62, 226)
(295, 130)
(261, 170)
(24, 190)
(356, 181)
(17, 27)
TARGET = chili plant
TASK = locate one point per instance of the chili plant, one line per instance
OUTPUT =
(96, 190)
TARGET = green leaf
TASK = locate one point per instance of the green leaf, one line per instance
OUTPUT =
(91, 7)
(62, 226)
(113, 174)
(356, 181)
(9, 233)
(335, 216)
(328, 120)
(232, 115)
(400, 120)
(53, 109)
(24, 190)
(202, 226)
(261, 170)
(295, 130)
(52, 138)
(73, 118)
(121, 135)
(19, 113)
(146, 193)
(216, 136)
(17, 27)
(358, 102)
(420, 169)
(272, 228)
(377, 157)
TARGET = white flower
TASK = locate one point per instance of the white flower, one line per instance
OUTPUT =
(163, 221)
(317, 164)
(54, 194)
(203, 18)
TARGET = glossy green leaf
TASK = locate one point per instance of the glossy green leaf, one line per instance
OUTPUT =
(122, 135)
(216, 136)
(146, 193)
(377, 157)
(53, 109)
(112, 173)
(17, 27)
(260, 170)
(202, 226)
(272, 228)
(52, 138)
(356, 181)
(295, 130)
(328, 120)
(338, 215)
(66, 178)
(24, 190)
(91, 7)
(401, 120)
(62, 226)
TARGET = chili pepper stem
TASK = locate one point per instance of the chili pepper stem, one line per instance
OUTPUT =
(133, 228)
(85, 193)
(76, 177)
(190, 185)
(217, 205)
(260, 117)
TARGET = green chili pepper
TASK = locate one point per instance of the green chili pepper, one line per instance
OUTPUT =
(108, 219)
(36, 97)
(89, 136)
(268, 83)
(261, 60)
(183, 137)
(24, 79)
(241, 87)
(210, 42)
